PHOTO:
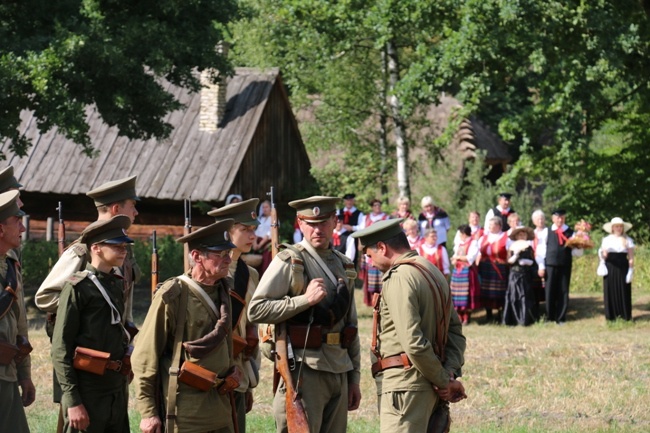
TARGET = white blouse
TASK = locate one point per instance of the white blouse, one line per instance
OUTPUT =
(617, 244)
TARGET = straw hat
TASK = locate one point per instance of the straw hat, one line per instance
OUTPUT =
(530, 233)
(616, 220)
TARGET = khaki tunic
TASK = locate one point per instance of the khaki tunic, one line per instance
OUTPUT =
(74, 259)
(409, 318)
(13, 324)
(274, 302)
(197, 411)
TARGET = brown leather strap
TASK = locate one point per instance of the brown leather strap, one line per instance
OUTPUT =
(401, 360)
(114, 365)
(375, 323)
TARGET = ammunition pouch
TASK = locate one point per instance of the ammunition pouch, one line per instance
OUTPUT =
(318, 337)
(97, 362)
(14, 352)
(201, 378)
(8, 352)
(248, 345)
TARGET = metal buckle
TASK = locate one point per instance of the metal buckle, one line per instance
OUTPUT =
(118, 366)
(334, 338)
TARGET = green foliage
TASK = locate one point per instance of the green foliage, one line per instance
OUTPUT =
(37, 258)
(57, 58)
(170, 258)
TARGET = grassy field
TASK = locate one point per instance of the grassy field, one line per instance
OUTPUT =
(585, 376)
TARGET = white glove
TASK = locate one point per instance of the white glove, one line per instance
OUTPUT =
(628, 277)
(525, 262)
(602, 269)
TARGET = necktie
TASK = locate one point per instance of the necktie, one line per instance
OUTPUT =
(336, 240)
(346, 217)
(561, 239)
(504, 212)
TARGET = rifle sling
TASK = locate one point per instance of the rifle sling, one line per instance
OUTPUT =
(175, 366)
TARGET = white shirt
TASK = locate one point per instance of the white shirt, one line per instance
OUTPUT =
(617, 244)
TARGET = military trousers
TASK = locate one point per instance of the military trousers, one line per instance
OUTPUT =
(406, 411)
(240, 407)
(324, 397)
(108, 413)
(12, 413)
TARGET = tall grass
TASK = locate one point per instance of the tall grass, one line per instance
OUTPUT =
(586, 376)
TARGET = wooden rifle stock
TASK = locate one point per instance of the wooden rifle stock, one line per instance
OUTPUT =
(296, 415)
(187, 229)
(61, 230)
(295, 412)
(154, 264)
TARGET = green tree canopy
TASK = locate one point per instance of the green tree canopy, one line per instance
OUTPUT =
(59, 57)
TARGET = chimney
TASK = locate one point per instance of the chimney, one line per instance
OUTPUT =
(213, 97)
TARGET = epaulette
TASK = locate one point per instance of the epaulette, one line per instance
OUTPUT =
(348, 265)
(79, 249)
(75, 278)
(169, 290)
(294, 253)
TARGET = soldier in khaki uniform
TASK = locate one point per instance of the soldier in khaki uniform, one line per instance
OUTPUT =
(117, 197)
(310, 281)
(418, 349)
(15, 363)
(246, 278)
(189, 326)
(89, 316)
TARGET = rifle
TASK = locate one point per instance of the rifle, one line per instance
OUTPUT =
(187, 229)
(154, 264)
(295, 412)
(61, 230)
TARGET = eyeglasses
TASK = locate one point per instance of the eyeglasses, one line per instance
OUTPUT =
(221, 254)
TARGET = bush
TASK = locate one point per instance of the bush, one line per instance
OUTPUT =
(39, 256)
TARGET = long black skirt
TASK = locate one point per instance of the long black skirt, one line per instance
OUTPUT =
(521, 302)
(618, 293)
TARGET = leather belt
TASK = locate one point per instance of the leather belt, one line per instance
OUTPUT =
(114, 366)
(401, 360)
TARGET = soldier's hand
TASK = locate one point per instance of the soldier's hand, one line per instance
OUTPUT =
(78, 417)
(316, 291)
(354, 396)
(454, 392)
(28, 391)
(151, 425)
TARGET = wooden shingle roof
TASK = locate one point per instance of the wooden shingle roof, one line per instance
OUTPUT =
(171, 169)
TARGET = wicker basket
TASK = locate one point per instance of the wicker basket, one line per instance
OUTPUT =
(580, 242)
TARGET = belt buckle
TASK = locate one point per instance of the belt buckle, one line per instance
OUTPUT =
(118, 366)
(334, 338)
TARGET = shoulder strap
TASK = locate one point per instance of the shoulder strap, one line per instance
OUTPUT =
(175, 366)
(207, 302)
(441, 328)
(312, 252)
(376, 314)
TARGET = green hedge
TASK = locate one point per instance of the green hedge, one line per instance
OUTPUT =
(38, 257)
(584, 278)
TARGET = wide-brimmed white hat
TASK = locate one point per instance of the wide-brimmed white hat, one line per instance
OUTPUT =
(616, 220)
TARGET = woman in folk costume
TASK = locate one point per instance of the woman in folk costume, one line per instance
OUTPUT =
(473, 221)
(539, 244)
(434, 253)
(513, 222)
(465, 286)
(521, 303)
(493, 267)
(403, 209)
(434, 217)
(372, 275)
(412, 231)
(617, 253)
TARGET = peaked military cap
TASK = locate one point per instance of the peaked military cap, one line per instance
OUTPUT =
(242, 212)
(214, 237)
(505, 195)
(112, 231)
(9, 205)
(114, 191)
(379, 231)
(7, 179)
(315, 209)
(349, 196)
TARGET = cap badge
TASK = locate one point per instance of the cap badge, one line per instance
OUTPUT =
(254, 215)
(124, 231)
(316, 211)
(226, 236)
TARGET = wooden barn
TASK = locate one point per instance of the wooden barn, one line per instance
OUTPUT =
(240, 138)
